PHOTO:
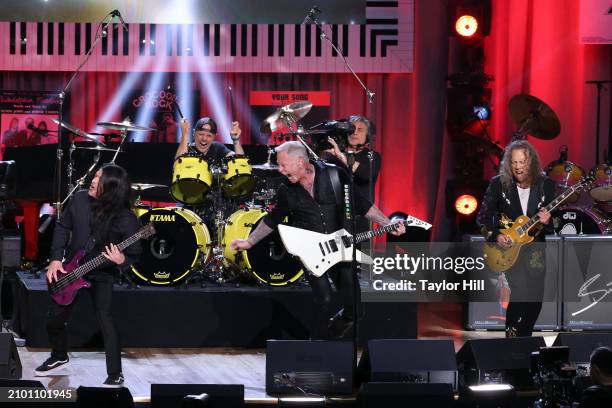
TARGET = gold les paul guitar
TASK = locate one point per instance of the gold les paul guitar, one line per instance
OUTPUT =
(501, 259)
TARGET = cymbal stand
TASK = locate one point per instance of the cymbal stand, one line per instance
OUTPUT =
(123, 138)
(79, 183)
(289, 121)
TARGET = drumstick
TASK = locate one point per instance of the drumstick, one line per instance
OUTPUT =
(169, 88)
(229, 89)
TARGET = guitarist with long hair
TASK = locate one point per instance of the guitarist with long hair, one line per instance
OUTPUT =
(94, 220)
(519, 189)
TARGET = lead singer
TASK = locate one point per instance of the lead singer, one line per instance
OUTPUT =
(310, 202)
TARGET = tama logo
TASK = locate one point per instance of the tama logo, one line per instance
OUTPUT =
(163, 217)
(569, 216)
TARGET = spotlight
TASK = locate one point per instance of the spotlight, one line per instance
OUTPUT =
(466, 25)
(491, 395)
(482, 112)
(466, 204)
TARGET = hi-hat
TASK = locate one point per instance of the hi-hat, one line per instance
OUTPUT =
(286, 114)
(146, 186)
(125, 125)
(78, 132)
(265, 166)
(534, 117)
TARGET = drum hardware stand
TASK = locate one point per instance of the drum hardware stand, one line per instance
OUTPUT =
(100, 32)
(599, 85)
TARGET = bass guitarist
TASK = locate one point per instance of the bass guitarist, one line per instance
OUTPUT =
(520, 189)
(94, 220)
(311, 202)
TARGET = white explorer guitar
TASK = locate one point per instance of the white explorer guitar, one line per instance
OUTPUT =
(319, 252)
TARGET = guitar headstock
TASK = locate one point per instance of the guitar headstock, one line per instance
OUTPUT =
(415, 222)
(146, 231)
(585, 182)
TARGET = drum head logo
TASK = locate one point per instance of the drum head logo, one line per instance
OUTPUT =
(162, 217)
(569, 216)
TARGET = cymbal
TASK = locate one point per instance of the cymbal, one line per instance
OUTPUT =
(292, 113)
(125, 125)
(97, 148)
(265, 166)
(534, 117)
(78, 132)
(146, 186)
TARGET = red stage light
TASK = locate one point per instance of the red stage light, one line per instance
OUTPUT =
(466, 25)
(466, 204)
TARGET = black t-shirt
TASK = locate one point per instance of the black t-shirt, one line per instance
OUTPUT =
(215, 154)
(320, 213)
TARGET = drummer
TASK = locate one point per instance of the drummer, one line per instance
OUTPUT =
(204, 143)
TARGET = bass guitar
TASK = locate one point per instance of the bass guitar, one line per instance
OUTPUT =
(65, 288)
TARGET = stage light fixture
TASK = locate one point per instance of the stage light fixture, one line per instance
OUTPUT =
(466, 25)
(466, 204)
(482, 112)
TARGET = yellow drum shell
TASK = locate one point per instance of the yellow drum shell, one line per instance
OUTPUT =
(191, 179)
(238, 180)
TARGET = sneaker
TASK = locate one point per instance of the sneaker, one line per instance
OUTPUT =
(114, 381)
(49, 366)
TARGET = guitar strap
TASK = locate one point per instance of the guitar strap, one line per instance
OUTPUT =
(334, 178)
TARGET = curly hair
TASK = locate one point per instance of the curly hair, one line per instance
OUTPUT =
(505, 167)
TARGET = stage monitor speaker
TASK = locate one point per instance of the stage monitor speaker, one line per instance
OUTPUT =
(581, 345)
(498, 361)
(10, 363)
(319, 367)
(98, 397)
(219, 395)
(397, 394)
(409, 360)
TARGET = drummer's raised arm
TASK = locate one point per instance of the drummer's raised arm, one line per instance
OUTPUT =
(235, 135)
(183, 145)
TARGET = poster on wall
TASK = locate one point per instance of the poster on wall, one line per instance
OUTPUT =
(26, 118)
(265, 103)
(158, 111)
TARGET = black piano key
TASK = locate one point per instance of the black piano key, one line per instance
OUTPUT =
(243, 40)
(141, 39)
(179, 39)
(105, 39)
(345, 39)
(207, 39)
(152, 39)
(217, 44)
(270, 40)
(233, 40)
(307, 40)
(60, 38)
(12, 36)
(115, 49)
(190, 39)
(87, 37)
(254, 30)
(383, 46)
(298, 40)
(77, 38)
(23, 38)
(169, 39)
(126, 42)
(39, 38)
(382, 3)
(334, 39)
(317, 42)
(376, 32)
(362, 40)
(281, 40)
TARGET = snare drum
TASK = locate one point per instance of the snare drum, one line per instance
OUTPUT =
(181, 242)
(238, 179)
(565, 174)
(268, 260)
(602, 190)
(578, 220)
(191, 179)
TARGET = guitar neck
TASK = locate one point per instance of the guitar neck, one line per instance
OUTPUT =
(535, 220)
(99, 260)
(364, 236)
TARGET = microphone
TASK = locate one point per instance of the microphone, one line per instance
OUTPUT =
(310, 17)
(116, 13)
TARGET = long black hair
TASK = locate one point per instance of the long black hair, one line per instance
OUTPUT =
(114, 195)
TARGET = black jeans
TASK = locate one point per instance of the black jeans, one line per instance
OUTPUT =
(345, 282)
(57, 317)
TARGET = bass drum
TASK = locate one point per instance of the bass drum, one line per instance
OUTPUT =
(180, 243)
(268, 261)
(577, 220)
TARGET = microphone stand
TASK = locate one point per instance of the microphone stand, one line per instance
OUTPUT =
(101, 31)
(312, 18)
(599, 85)
(350, 214)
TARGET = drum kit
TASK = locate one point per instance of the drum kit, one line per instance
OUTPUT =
(580, 215)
